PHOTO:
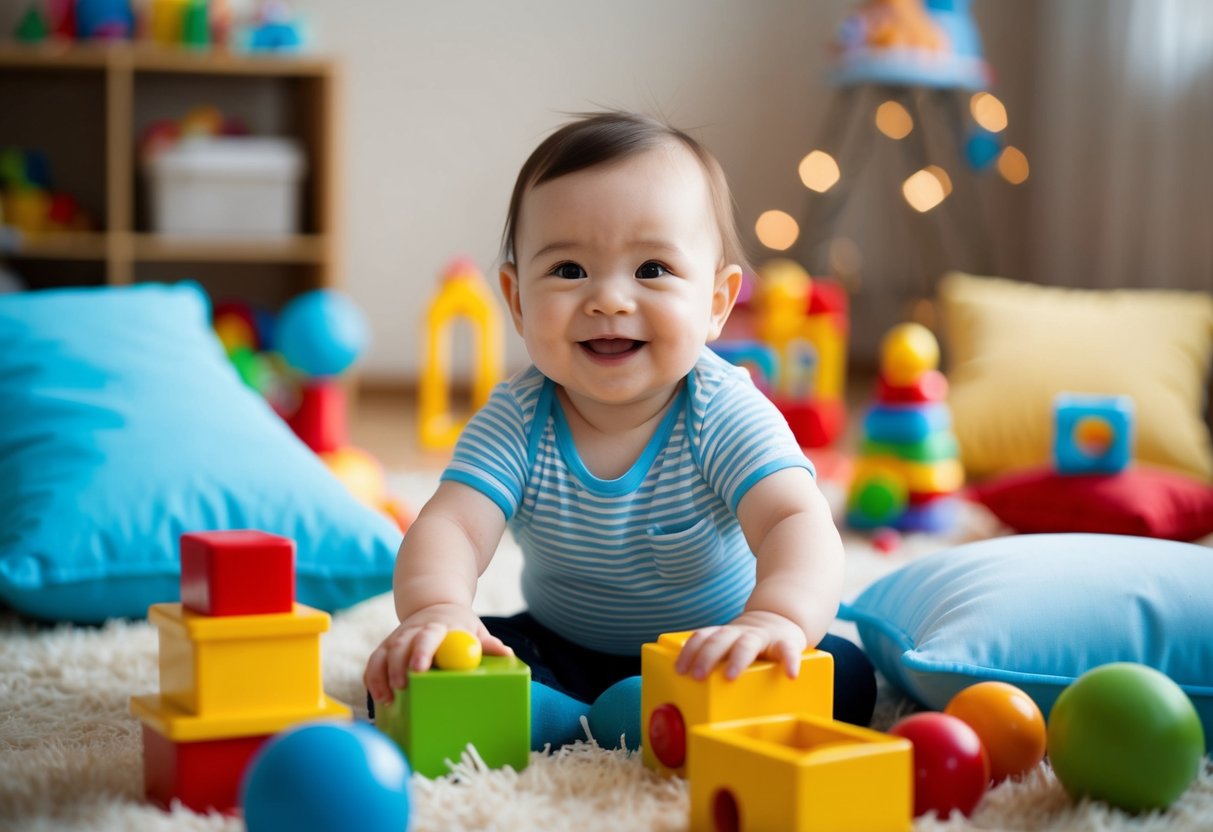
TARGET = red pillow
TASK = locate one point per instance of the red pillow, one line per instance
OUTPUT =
(1146, 502)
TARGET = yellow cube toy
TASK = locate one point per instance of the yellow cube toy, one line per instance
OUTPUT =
(672, 704)
(799, 773)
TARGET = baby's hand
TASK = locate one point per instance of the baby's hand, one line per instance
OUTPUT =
(749, 636)
(411, 646)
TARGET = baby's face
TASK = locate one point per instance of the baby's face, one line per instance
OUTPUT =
(618, 281)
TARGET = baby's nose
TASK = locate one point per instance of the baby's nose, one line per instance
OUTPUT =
(611, 296)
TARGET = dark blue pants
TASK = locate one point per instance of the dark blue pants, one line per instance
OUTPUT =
(583, 673)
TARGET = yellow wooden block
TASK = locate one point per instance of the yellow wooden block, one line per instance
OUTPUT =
(762, 689)
(796, 773)
(174, 724)
(240, 664)
(823, 332)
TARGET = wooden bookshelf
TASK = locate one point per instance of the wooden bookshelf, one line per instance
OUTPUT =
(85, 106)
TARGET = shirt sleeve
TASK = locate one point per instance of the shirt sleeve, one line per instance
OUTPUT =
(491, 453)
(742, 439)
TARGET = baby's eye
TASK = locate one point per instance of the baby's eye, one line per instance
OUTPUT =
(569, 271)
(651, 269)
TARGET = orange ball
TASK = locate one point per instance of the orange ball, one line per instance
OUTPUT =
(1010, 726)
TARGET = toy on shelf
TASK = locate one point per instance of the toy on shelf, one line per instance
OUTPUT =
(798, 773)
(464, 296)
(790, 331)
(327, 777)
(908, 471)
(1092, 434)
(672, 704)
(234, 668)
(443, 710)
(32, 27)
(295, 361)
(105, 19)
(951, 770)
(930, 43)
(30, 204)
(1125, 734)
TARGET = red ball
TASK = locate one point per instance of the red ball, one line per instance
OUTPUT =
(668, 735)
(951, 770)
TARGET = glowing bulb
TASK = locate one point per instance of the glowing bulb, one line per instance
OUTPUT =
(1013, 165)
(777, 230)
(819, 172)
(939, 173)
(923, 191)
(989, 112)
(893, 120)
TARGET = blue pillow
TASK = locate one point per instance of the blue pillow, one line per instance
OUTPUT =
(1039, 610)
(122, 425)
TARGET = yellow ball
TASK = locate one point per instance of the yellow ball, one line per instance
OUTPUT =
(459, 650)
(908, 351)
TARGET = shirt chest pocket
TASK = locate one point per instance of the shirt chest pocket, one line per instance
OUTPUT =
(684, 554)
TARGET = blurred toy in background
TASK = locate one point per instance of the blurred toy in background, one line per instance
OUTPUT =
(933, 43)
(274, 29)
(463, 296)
(790, 331)
(295, 361)
(104, 19)
(908, 471)
(32, 27)
(204, 121)
(31, 205)
(1092, 434)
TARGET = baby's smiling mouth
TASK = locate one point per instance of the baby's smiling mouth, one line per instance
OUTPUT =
(611, 347)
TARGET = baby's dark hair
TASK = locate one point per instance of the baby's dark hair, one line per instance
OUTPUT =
(600, 138)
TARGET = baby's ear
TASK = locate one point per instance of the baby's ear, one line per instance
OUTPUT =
(508, 277)
(724, 295)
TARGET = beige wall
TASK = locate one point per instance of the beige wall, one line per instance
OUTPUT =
(443, 102)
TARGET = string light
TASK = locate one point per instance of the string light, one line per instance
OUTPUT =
(923, 191)
(989, 112)
(819, 172)
(939, 173)
(893, 120)
(776, 230)
(1013, 165)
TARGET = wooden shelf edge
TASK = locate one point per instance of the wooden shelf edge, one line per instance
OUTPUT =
(149, 57)
(65, 245)
(300, 248)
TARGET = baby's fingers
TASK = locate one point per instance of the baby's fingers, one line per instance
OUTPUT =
(788, 653)
(425, 644)
(748, 646)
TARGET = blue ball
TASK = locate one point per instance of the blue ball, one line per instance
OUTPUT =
(327, 777)
(321, 333)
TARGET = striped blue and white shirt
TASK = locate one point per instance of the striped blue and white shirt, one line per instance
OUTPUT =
(612, 564)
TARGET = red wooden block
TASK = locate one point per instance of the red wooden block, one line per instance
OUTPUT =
(815, 424)
(828, 296)
(320, 419)
(203, 775)
(237, 573)
(931, 386)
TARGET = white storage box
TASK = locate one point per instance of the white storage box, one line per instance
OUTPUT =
(226, 186)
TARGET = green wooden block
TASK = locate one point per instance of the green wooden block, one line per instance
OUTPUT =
(937, 446)
(441, 711)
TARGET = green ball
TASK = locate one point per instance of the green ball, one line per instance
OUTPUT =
(1125, 734)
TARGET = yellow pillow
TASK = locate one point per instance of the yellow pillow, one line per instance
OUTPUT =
(1011, 347)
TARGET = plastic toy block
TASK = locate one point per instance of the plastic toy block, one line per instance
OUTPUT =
(177, 725)
(830, 342)
(203, 775)
(754, 356)
(939, 477)
(816, 423)
(906, 422)
(671, 704)
(320, 421)
(240, 664)
(237, 573)
(799, 773)
(1092, 434)
(442, 711)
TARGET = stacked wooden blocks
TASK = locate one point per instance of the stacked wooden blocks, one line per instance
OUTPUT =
(239, 662)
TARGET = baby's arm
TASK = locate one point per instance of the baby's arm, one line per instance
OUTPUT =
(445, 551)
(787, 522)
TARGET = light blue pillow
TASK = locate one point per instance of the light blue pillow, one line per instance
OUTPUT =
(1039, 610)
(122, 425)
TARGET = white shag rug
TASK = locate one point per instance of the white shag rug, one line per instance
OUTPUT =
(71, 759)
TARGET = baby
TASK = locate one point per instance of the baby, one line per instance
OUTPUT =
(651, 487)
